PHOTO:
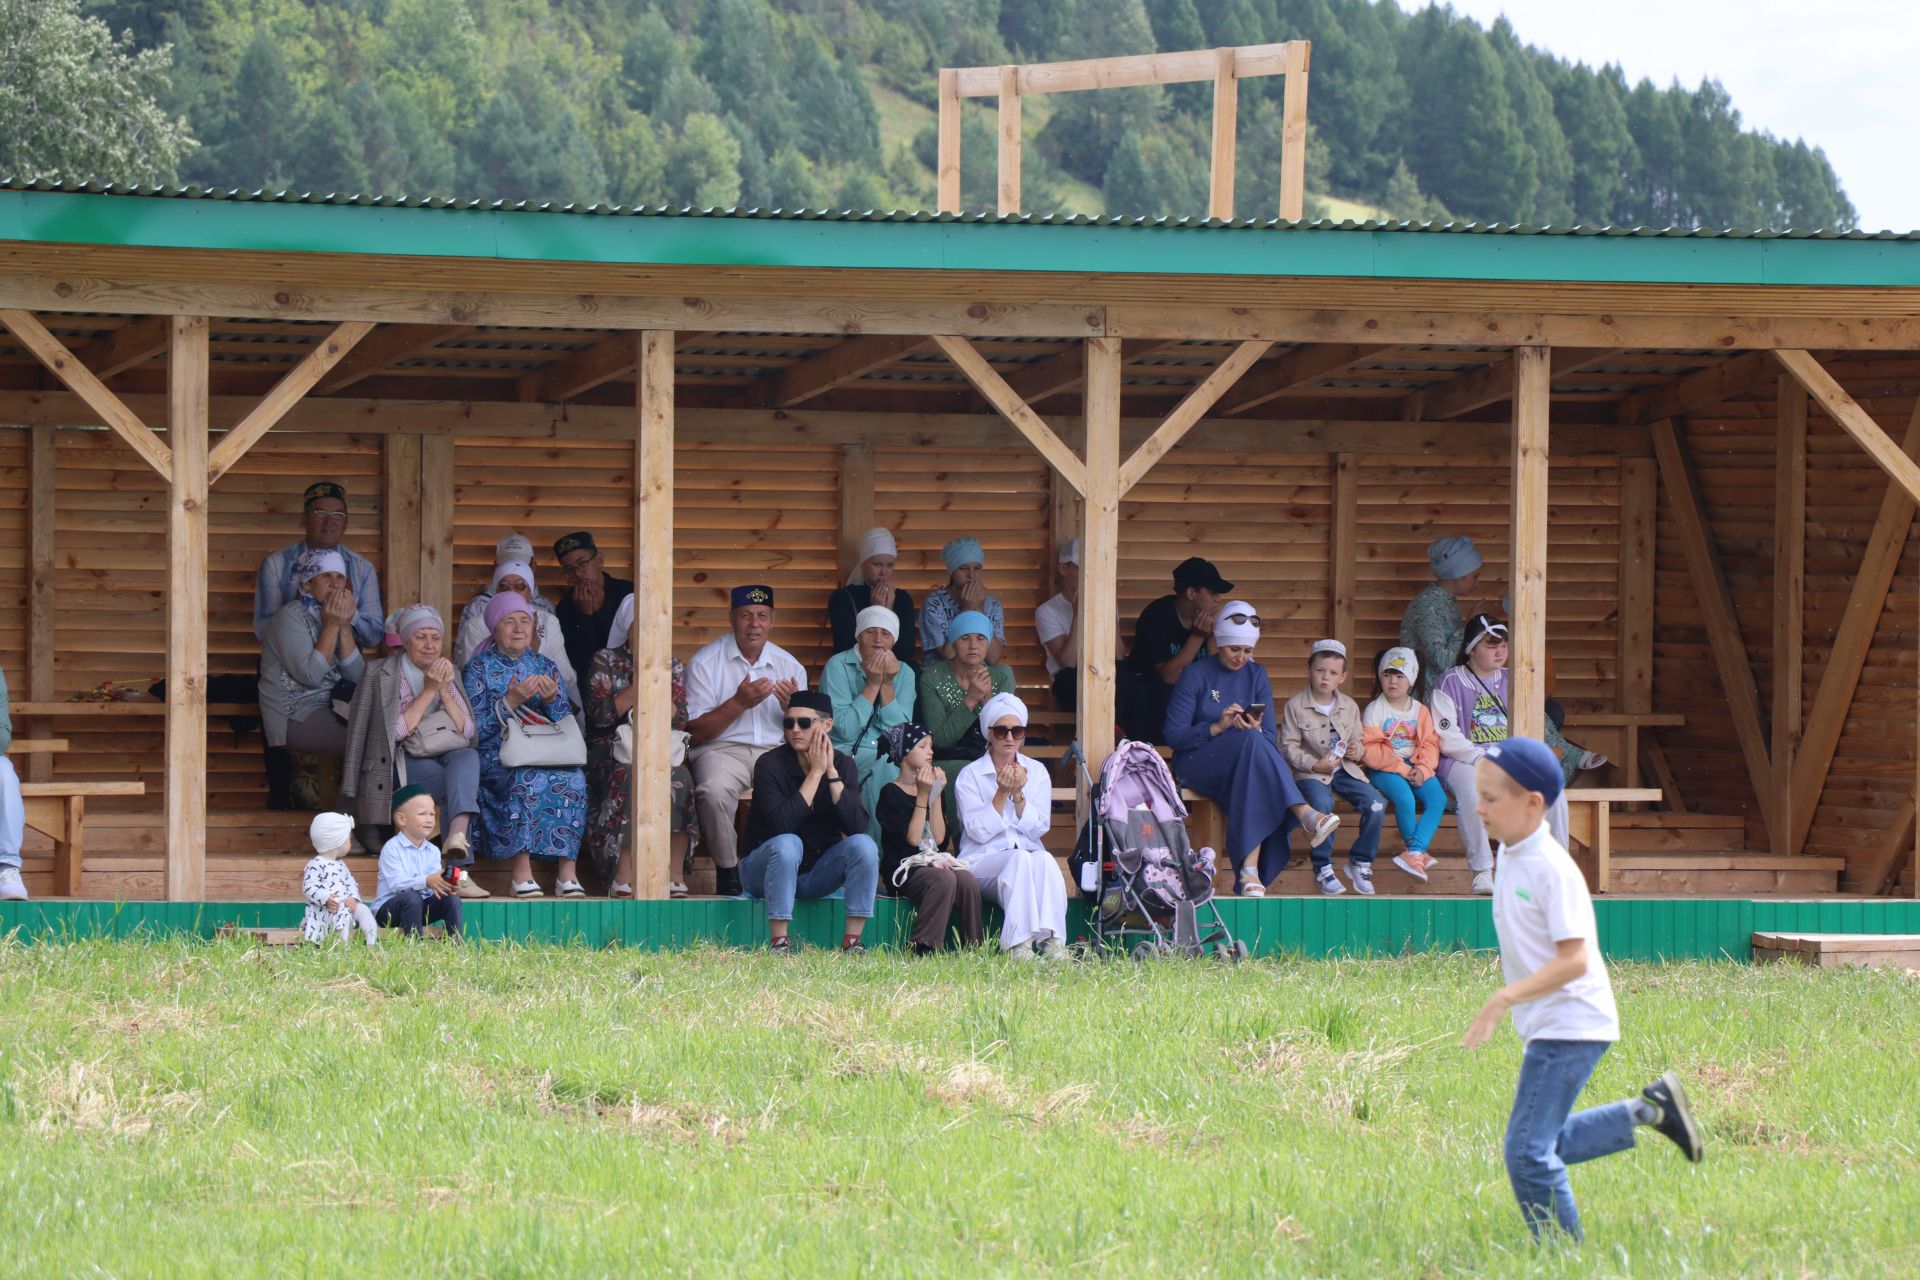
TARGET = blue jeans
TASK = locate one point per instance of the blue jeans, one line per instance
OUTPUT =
(1418, 831)
(1545, 1134)
(773, 872)
(1368, 802)
(13, 815)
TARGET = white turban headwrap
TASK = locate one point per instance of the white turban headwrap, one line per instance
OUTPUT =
(622, 623)
(874, 542)
(998, 708)
(516, 568)
(329, 831)
(1225, 632)
(875, 616)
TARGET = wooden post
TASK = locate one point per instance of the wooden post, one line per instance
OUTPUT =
(400, 521)
(1100, 551)
(41, 604)
(1226, 119)
(1634, 666)
(1009, 140)
(653, 615)
(947, 170)
(1293, 136)
(436, 523)
(1789, 592)
(1343, 545)
(1064, 519)
(1531, 386)
(856, 502)
(186, 765)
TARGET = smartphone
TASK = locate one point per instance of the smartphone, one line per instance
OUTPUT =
(1256, 710)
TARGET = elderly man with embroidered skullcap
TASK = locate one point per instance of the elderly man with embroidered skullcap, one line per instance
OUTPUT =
(965, 592)
(738, 687)
(871, 585)
(593, 597)
(326, 520)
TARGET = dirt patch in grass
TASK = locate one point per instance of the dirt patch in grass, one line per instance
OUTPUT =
(84, 1097)
(671, 1121)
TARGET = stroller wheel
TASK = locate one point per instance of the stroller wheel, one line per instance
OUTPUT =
(1238, 951)
(1231, 952)
(1144, 951)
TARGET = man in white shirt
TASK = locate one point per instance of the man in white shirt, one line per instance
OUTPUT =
(737, 691)
(1558, 992)
(1058, 624)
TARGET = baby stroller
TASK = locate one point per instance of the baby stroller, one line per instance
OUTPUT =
(1155, 894)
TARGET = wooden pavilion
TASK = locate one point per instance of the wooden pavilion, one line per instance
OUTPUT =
(1692, 456)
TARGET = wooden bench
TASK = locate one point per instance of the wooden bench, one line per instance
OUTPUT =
(1831, 950)
(1617, 735)
(59, 810)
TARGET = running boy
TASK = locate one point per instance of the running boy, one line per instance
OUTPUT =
(1403, 757)
(1559, 994)
(1323, 739)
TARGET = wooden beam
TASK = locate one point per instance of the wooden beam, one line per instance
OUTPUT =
(1789, 592)
(1855, 421)
(1639, 495)
(1494, 382)
(1343, 546)
(1716, 606)
(42, 606)
(186, 740)
(653, 615)
(329, 354)
(580, 372)
(856, 502)
(133, 343)
(400, 522)
(1715, 384)
(1891, 854)
(1128, 71)
(1100, 552)
(1293, 133)
(1190, 410)
(1226, 119)
(1532, 389)
(838, 365)
(994, 388)
(392, 345)
(1066, 371)
(53, 353)
(1295, 369)
(1847, 656)
(436, 523)
(1010, 139)
(947, 159)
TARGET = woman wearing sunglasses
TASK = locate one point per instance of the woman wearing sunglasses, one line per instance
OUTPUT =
(1221, 726)
(1005, 802)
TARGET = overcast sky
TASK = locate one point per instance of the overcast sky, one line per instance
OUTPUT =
(1844, 76)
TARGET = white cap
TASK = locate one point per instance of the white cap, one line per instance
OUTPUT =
(1326, 646)
(1070, 553)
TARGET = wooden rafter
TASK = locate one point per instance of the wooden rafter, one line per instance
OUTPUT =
(65, 366)
(133, 343)
(1718, 382)
(1068, 370)
(330, 353)
(1894, 850)
(1855, 421)
(393, 344)
(1190, 410)
(848, 361)
(988, 382)
(574, 375)
(1295, 369)
(1493, 383)
(1716, 605)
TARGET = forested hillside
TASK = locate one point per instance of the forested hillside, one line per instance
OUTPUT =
(830, 103)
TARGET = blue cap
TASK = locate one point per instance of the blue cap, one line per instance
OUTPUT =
(744, 596)
(1531, 763)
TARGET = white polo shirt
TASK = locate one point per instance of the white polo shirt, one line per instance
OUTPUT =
(714, 674)
(1539, 900)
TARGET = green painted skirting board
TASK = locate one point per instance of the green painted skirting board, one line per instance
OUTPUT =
(1630, 928)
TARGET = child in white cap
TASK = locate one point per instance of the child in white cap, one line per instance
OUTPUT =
(333, 896)
(1402, 750)
(1324, 741)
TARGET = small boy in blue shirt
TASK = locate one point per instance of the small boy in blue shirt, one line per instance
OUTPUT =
(411, 891)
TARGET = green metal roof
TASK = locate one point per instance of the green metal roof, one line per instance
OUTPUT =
(194, 218)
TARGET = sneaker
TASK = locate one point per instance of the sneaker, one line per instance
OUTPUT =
(1483, 883)
(1361, 873)
(570, 889)
(456, 847)
(853, 948)
(12, 887)
(528, 889)
(726, 882)
(1329, 882)
(1020, 950)
(1676, 1117)
(620, 890)
(676, 890)
(780, 947)
(1414, 863)
(1249, 885)
(1055, 950)
(468, 889)
(1592, 760)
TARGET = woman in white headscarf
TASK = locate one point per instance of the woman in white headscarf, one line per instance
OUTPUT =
(871, 585)
(1005, 804)
(516, 576)
(309, 650)
(872, 690)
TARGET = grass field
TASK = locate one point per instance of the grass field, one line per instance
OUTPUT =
(192, 1108)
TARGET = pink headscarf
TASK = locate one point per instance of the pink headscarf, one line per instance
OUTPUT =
(502, 604)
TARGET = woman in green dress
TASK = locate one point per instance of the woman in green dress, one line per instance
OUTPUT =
(952, 693)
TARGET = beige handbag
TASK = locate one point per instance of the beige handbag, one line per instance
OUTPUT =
(435, 735)
(623, 746)
(531, 741)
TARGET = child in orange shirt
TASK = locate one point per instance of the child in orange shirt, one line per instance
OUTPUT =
(1402, 750)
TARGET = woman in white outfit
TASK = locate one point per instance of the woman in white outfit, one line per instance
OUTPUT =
(1005, 804)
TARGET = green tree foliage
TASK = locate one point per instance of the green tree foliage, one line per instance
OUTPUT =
(76, 102)
(780, 103)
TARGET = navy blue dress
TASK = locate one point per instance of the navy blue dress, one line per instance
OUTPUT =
(1241, 770)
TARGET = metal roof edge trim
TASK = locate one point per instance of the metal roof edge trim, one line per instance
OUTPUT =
(442, 228)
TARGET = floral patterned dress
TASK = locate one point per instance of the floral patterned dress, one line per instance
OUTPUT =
(542, 812)
(610, 783)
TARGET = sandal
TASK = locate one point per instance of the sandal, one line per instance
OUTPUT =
(1249, 885)
(1324, 826)
(620, 890)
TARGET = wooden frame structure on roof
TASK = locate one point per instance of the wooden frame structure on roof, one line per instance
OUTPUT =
(1640, 384)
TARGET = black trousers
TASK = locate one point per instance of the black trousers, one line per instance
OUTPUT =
(1066, 689)
(941, 897)
(407, 911)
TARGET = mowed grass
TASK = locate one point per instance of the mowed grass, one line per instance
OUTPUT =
(191, 1108)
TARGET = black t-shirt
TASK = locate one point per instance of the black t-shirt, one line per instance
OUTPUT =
(586, 633)
(1158, 635)
(894, 808)
(844, 606)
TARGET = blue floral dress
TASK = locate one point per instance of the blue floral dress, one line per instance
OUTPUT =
(542, 812)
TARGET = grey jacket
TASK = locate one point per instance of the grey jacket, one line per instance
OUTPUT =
(295, 681)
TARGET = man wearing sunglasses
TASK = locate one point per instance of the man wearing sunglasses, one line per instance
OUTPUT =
(808, 827)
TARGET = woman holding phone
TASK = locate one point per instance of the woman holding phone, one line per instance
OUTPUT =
(1226, 748)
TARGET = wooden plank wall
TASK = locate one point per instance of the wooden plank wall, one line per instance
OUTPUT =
(15, 448)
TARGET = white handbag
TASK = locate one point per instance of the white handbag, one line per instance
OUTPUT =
(623, 746)
(531, 741)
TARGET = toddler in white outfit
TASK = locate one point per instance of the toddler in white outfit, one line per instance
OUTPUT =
(333, 895)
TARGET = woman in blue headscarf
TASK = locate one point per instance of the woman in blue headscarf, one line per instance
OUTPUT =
(951, 694)
(965, 592)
